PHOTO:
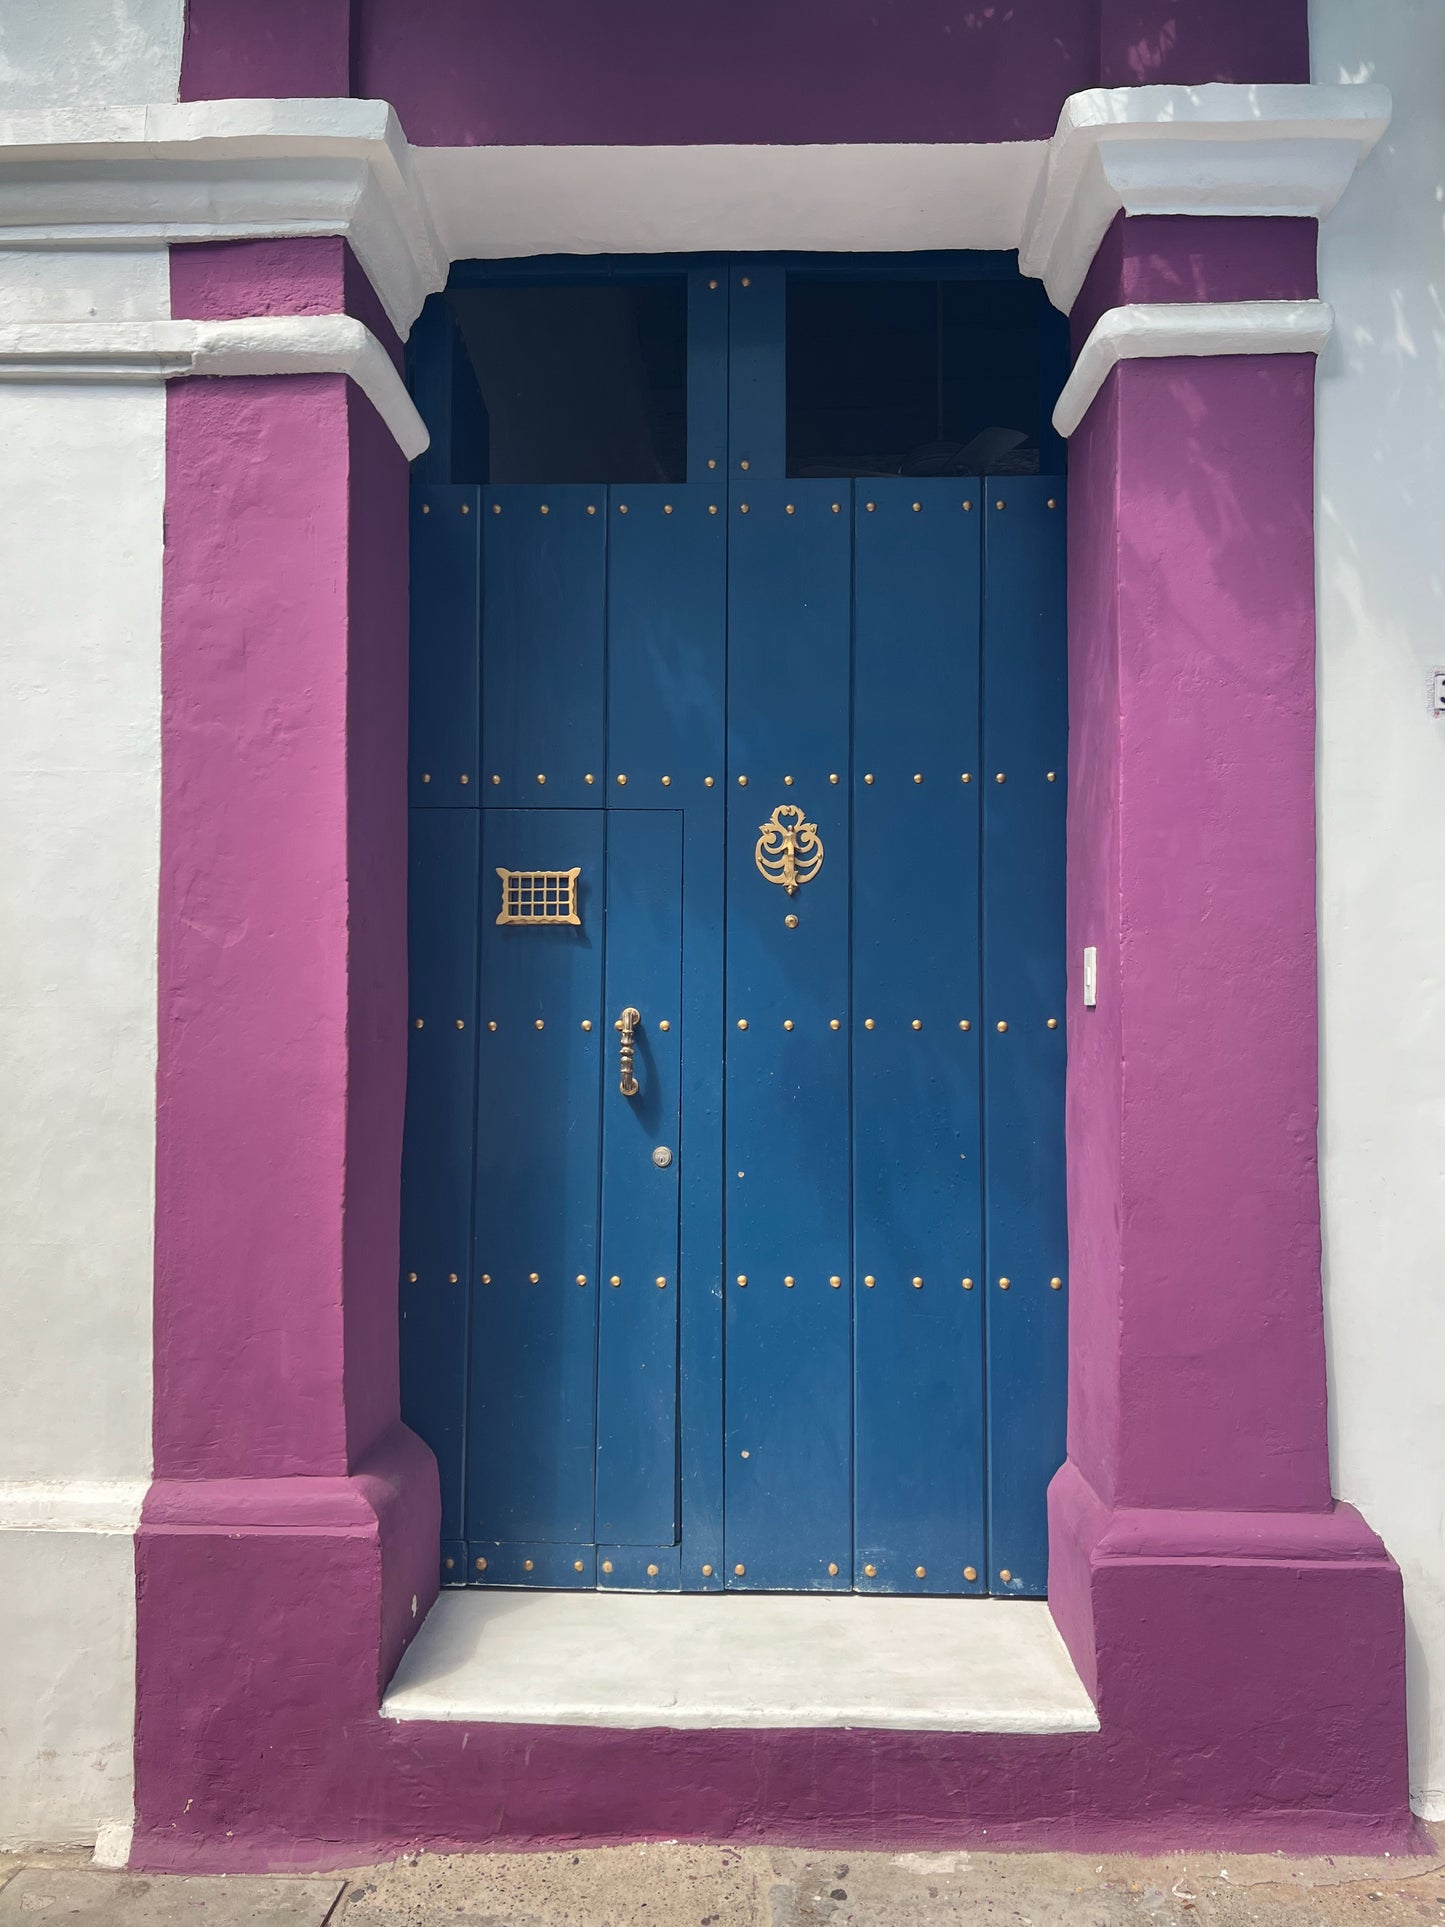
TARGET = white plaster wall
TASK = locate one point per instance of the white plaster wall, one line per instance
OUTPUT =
(76, 53)
(1382, 824)
(81, 498)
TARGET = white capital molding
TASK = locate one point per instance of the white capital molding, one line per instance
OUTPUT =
(1216, 150)
(124, 351)
(241, 169)
(1158, 331)
(223, 171)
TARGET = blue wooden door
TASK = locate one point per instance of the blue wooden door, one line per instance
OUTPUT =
(766, 1290)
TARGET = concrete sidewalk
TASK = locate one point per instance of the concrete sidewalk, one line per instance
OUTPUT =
(666, 1885)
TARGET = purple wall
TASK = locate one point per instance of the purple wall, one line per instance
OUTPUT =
(466, 72)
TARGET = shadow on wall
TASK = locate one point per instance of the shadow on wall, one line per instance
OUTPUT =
(1381, 512)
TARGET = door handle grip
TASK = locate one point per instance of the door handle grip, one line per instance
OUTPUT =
(627, 1024)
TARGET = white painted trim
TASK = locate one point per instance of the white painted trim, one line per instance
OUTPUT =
(1215, 150)
(1157, 331)
(123, 351)
(71, 1505)
(225, 170)
(232, 169)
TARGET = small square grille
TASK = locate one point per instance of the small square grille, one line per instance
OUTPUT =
(539, 896)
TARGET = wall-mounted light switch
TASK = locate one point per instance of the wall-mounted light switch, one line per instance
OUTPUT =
(1091, 977)
(1437, 691)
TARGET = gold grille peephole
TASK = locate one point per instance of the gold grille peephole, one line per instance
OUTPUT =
(539, 896)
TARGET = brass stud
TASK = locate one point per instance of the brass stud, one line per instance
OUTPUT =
(496, 779)
(742, 506)
(419, 1023)
(867, 779)
(870, 506)
(836, 1283)
(527, 1565)
(707, 1570)
(451, 1278)
(833, 1024)
(586, 1023)
(920, 1572)
(739, 1570)
(665, 1024)
(832, 1570)
(661, 1284)
(1053, 1023)
(544, 510)
(496, 508)
(742, 782)
(968, 1284)
(742, 1023)
(411, 1277)
(870, 1572)
(745, 1454)
(461, 1023)
(918, 779)
(970, 1572)
(788, 782)
(742, 1277)
(832, 779)
(965, 778)
(745, 465)
(1000, 778)
(998, 505)
(747, 283)
(540, 1024)
(1001, 1025)
(425, 777)
(789, 509)
(464, 779)
(667, 508)
(916, 507)
(1053, 504)
(790, 1282)
(837, 508)
(1003, 1284)
(1005, 1575)
(622, 782)
(667, 782)
(869, 1024)
(447, 1563)
(486, 1277)
(790, 922)
(589, 779)
(918, 1284)
(541, 779)
(652, 1572)
(870, 1281)
(622, 508)
(614, 1281)
(591, 508)
(491, 1023)
(576, 1565)
(712, 506)
(964, 1024)
(426, 510)
(481, 1565)
(918, 1023)
(1056, 1284)
(787, 1023)
(708, 781)
(607, 1565)
(466, 508)
(1052, 776)
(711, 284)
(533, 1278)
(581, 1277)
(968, 506)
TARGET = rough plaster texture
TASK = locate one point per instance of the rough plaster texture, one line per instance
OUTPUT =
(81, 495)
(1382, 799)
(85, 53)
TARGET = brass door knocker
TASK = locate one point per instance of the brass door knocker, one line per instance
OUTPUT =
(789, 851)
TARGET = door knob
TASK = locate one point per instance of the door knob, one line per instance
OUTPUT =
(627, 1024)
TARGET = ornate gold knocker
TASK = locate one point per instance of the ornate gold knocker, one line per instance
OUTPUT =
(789, 851)
(627, 1023)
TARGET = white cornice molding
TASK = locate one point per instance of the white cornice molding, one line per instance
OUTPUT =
(1216, 150)
(71, 1505)
(125, 351)
(225, 170)
(1160, 330)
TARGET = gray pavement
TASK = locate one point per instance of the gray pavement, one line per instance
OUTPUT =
(668, 1885)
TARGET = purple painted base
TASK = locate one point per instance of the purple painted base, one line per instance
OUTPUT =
(1248, 1681)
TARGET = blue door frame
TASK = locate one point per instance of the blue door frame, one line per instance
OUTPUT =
(834, 1354)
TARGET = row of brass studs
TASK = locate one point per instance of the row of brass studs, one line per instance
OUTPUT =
(578, 1565)
(544, 508)
(709, 782)
(871, 1572)
(540, 1023)
(535, 1278)
(869, 1023)
(870, 1281)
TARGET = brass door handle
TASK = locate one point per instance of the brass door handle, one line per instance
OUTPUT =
(627, 1024)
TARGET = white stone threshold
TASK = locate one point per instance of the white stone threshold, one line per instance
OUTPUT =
(745, 1660)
